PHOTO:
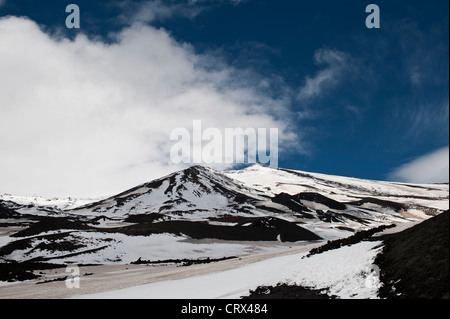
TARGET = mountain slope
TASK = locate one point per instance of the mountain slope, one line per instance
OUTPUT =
(195, 190)
(343, 189)
(240, 209)
(415, 263)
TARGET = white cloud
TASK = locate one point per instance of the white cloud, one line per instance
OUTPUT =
(336, 62)
(429, 168)
(85, 118)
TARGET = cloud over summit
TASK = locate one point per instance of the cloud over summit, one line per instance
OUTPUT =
(93, 118)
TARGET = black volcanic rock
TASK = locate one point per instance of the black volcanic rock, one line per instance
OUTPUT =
(253, 229)
(293, 204)
(318, 198)
(145, 218)
(5, 212)
(383, 203)
(46, 224)
(415, 263)
(284, 291)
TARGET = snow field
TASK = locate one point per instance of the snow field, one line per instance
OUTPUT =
(346, 273)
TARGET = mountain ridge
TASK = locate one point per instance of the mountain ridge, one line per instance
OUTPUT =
(245, 207)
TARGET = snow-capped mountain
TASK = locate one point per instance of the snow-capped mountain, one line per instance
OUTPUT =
(200, 193)
(232, 208)
(276, 180)
(194, 193)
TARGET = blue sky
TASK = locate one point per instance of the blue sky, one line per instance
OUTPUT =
(353, 101)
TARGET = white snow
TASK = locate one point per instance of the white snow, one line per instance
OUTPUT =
(126, 249)
(4, 240)
(60, 203)
(336, 187)
(347, 273)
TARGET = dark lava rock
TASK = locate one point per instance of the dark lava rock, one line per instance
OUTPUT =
(284, 291)
(414, 264)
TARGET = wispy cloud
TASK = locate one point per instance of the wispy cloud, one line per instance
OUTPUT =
(419, 103)
(335, 61)
(429, 168)
(423, 52)
(158, 10)
(216, 2)
(424, 117)
(154, 11)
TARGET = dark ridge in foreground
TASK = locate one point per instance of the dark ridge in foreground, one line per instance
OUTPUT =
(284, 291)
(260, 229)
(5, 212)
(248, 229)
(15, 271)
(414, 264)
(183, 262)
(354, 239)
